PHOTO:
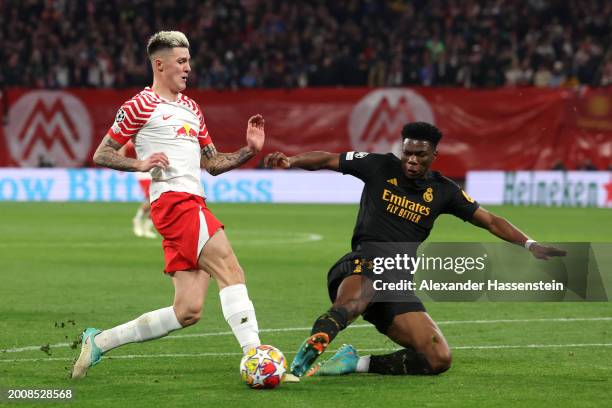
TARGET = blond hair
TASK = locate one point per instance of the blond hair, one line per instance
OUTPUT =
(166, 40)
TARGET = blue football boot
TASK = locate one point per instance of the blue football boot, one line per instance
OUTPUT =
(312, 348)
(90, 354)
(343, 362)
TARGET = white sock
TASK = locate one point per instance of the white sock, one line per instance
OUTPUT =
(239, 313)
(149, 326)
(363, 365)
(140, 215)
(148, 225)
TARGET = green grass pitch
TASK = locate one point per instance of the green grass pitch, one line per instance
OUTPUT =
(69, 266)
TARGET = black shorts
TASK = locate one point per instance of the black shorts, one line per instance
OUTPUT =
(380, 314)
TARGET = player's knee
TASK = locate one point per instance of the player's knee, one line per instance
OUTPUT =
(188, 315)
(440, 360)
(354, 307)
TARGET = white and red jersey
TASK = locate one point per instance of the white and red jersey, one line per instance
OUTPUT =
(177, 129)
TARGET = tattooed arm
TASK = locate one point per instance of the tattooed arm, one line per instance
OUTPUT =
(107, 155)
(216, 163)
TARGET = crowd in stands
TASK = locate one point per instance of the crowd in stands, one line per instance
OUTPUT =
(286, 44)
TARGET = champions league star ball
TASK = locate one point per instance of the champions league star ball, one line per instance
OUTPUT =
(263, 367)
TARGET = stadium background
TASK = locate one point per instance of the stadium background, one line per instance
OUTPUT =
(521, 86)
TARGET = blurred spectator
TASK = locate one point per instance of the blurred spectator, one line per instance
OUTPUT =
(606, 76)
(44, 161)
(558, 166)
(557, 77)
(586, 165)
(274, 43)
(542, 76)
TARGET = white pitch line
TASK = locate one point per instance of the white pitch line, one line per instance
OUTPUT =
(354, 326)
(556, 319)
(242, 239)
(196, 355)
(505, 346)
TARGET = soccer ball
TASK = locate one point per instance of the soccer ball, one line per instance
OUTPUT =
(263, 367)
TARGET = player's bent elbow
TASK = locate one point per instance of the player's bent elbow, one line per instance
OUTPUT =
(97, 158)
(101, 156)
(213, 171)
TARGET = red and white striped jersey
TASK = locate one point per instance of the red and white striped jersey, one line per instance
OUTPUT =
(156, 125)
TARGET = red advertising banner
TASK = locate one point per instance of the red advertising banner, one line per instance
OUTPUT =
(503, 129)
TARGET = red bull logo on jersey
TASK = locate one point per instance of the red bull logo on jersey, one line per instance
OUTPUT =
(186, 131)
(376, 121)
(51, 126)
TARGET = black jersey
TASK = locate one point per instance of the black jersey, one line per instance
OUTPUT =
(394, 208)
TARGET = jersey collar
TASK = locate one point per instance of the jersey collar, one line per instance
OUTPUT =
(161, 98)
(420, 183)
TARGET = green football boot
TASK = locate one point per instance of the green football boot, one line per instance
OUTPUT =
(90, 354)
(343, 362)
(312, 348)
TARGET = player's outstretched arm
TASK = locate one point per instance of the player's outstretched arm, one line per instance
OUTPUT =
(216, 163)
(306, 161)
(107, 155)
(503, 229)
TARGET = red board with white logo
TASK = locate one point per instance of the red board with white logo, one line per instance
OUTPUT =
(505, 129)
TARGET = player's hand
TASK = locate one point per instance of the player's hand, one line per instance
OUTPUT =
(277, 160)
(544, 252)
(155, 160)
(255, 134)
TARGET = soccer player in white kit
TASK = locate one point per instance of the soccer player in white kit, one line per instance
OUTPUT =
(172, 142)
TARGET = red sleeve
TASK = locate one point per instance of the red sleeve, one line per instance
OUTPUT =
(203, 136)
(130, 150)
(132, 116)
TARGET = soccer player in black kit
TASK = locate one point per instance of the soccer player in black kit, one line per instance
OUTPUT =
(400, 201)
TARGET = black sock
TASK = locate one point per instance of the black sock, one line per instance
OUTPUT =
(402, 362)
(331, 322)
